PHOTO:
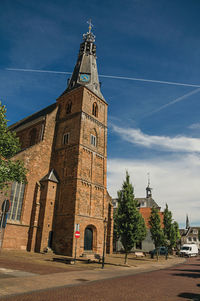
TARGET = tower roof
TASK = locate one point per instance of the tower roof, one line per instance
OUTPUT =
(85, 71)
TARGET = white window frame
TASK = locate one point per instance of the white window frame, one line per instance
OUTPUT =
(16, 198)
(93, 140)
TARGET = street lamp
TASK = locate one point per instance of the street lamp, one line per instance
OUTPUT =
(104, 242)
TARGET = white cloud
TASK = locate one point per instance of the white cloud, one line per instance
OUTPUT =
(194, 126)
(175, 181)
(175, 144)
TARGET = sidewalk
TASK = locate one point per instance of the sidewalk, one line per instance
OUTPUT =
(30, 282)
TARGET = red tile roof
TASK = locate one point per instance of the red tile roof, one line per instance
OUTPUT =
(146, 212)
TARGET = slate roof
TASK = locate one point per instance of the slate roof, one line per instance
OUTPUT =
(51, 176)
(86, 66)
(149, 202)
(32, 117)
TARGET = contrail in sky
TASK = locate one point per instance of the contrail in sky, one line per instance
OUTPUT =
(111, 76)
(174, 101)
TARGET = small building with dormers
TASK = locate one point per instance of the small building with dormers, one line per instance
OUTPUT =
(145, 206)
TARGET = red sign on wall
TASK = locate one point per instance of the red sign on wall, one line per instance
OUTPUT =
(77, 234)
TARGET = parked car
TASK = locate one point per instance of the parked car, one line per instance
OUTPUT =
(189, 250)
(161, 251)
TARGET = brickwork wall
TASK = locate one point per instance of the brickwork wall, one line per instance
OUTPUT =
(81, 195)
(81, 167)
(45, 224)
(15, 236)
(37, 161)
(25, 134)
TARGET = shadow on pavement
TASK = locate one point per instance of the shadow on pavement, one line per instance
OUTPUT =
(189, 275)
(190, 296)
(187, 270)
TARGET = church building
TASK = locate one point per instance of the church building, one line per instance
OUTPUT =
(64, 148)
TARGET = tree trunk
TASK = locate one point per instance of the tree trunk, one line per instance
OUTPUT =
(157, 253)
(126, 256)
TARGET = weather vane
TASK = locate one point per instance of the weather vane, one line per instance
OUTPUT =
(89, 36)
(148, 174)
(90, 25)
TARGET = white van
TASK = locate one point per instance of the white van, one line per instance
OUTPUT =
(189, 250)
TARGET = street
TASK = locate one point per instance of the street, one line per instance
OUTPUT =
(181, 282)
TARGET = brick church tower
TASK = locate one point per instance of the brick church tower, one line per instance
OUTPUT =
(64, 147)
(80, 157)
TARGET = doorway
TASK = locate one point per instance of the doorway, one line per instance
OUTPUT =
(88, 239)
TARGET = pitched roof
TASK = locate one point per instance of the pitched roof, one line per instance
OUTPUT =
(51, 176)
(146, 212)
(34, 116)
(149, 202)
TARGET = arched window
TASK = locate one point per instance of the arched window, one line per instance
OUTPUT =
(16, 199)
(32, 136)
(69, 108)
(88, 239)
(95, 109)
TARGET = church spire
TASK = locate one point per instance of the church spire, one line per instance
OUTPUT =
(85, 71)
(187, 222)
(148, 189)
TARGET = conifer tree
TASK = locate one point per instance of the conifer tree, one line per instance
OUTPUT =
(167, 221)
(171, 229)
(130, 223)
(10, 170)
(173, 237)
(178, 235)
(157, 234)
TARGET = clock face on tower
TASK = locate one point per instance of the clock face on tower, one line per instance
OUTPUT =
(84, 78)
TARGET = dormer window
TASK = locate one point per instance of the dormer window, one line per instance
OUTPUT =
(69, 108)
(95, 109)
(66, 138)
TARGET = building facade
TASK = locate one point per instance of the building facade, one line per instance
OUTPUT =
(145, 206)
(190, 235)
(64, 148)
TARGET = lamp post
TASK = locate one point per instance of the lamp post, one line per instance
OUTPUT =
(104, 242)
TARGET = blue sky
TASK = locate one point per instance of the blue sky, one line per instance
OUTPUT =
(153, 40)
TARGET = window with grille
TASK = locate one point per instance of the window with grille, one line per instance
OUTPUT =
(93, 140)
(16, 199)
(66, 138)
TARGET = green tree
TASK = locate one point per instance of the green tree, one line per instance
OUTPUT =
(130, 224)
(167, 221)
(171, 229)
(173, 237)
(178, 235)
(10, 170)
(116, 234)
(157, 233)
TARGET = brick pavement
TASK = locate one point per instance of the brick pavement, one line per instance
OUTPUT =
(20, 285)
